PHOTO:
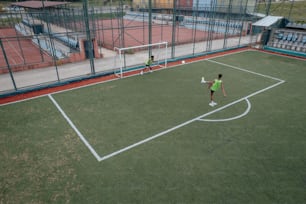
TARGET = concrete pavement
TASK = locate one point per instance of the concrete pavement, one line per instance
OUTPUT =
(36, 77)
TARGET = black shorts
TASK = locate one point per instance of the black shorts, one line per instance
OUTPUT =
(212, 91)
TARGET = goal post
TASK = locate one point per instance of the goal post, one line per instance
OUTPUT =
(132, 58)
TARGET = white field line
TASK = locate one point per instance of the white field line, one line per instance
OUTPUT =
(166, 131)
(75, 129)
(232, 118)
(234, 67)
(197, 118)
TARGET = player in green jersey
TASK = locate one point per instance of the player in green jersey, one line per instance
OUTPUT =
(148, 65)
(214, 86)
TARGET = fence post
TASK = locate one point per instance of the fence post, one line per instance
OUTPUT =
(8, 65)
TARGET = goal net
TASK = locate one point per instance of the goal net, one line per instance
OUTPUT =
(134, 58)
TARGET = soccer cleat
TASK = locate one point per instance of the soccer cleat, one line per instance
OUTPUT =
(211, 104)
(203, 80)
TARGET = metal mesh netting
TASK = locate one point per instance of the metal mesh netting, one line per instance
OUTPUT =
(51, 38)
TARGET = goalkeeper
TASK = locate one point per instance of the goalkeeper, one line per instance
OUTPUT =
(214, 86)
(148, 64)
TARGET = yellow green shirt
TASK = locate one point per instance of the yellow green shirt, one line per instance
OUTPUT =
(149, 62)
(216, 85)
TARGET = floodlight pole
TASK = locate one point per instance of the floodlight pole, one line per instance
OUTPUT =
(195, 14)
(268, 8)
(122, 27)
(289, 15)
(229, 12)
(150, 27)
(243, 19)
(51, 41)
(212, 12)
(173, 29)
(88, 37)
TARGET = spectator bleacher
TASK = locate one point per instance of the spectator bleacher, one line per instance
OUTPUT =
(304, 39)
(292, 37)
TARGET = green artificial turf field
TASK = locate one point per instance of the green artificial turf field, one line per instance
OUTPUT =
(155, 139)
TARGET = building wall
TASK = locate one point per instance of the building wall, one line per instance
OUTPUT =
(237, 6)
(185, 4)
(203, 4)
(140, 3)
(163, 4)
(155, 3)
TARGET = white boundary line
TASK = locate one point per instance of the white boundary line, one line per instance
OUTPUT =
(186, 123)
(244, 70)
(74, 128)
(232, 118)
(199, 118)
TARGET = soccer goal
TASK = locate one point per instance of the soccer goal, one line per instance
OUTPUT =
(133, 58)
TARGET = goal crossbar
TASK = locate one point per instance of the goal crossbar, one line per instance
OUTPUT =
(120, 53)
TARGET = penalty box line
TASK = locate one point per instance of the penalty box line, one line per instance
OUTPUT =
(96, 155)
(245, 70)
(199, 118)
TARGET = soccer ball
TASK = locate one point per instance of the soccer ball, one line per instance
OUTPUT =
(183, 61)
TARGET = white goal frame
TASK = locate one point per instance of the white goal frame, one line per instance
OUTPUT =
(158, 62)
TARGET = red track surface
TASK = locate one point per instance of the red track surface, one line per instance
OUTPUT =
(136, 33)
(20, 50)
